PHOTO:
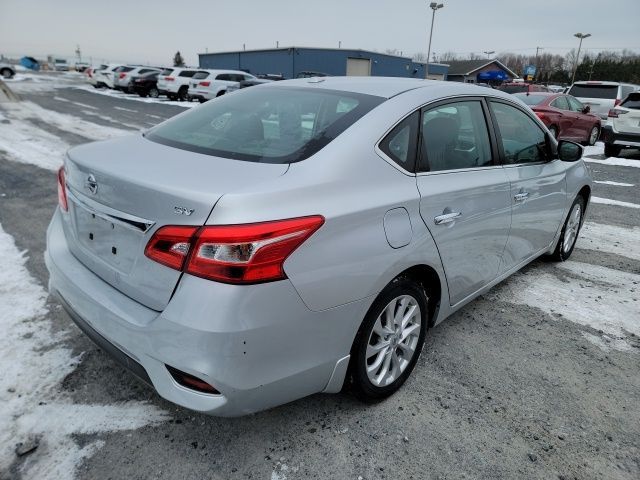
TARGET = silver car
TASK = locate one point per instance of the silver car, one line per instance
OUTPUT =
(299, 236)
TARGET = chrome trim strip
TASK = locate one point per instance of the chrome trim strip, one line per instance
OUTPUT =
(109, 214)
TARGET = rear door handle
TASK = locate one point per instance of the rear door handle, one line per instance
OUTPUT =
(447, 218)
(521, 197)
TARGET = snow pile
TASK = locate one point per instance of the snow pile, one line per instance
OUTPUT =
(135, 97)
(33, 362)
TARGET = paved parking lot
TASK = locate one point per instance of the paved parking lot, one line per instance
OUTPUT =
(539, 378)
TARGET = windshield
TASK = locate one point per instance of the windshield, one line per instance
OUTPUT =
(609, 92)
(271, 125)
(531, 99)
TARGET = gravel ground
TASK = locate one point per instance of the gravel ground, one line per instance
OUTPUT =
(509, 387)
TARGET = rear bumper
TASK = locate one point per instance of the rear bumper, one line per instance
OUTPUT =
(609, 135)
(259, 346)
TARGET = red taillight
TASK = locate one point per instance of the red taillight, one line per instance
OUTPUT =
(62, 190)
(205, 84)
(541, 115)
(616, 112)
(170, 245)
(169, 79)
(240, 254)
(189, 381)
(122, 75)
(617, 102)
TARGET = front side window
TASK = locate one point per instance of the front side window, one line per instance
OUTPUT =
(400, 144)
(575, 105)
(632, 101)
(455, 136)
(523, 141)
(270, 125)
(561, 103)
(224, 76)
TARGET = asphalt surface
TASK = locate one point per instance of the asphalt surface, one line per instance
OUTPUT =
(502, 390)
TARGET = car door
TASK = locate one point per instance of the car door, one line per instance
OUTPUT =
(464, 193)
(583, 122)
(537, 182)
(566, 118)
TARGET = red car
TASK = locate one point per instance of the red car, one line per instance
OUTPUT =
(565, 116)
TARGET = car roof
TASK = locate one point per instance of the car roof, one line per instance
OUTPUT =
(388, 87)
(596, 82)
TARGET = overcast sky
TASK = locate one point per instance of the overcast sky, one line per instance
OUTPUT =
(145, 31)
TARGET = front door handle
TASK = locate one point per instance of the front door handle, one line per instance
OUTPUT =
(447, 218)
(521, 197)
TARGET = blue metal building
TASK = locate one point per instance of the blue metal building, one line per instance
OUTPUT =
(289, 62)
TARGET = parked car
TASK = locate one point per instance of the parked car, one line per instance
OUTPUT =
(270, 76)
(146, 85)
(30, 63)
(564, 116)
(7, 71)
(209, 84)
(60, 65)
(123, 77)
(252, 252)
(248, 83)
(174, 82)
(556, 88)
(81, 66)
(623, 126)
(104, 76)
(310, 74)
(521, 87)
(90, 73)
(601, 96)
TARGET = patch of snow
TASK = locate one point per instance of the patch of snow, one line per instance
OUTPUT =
(34, 362)
(594, 150)
(608, 343)
(614, 184)
(113, 120)
(126, 109)
(618, 203)
(615, 161)
(609, 238)
(599, 297)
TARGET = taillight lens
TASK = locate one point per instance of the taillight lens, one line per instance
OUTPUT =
(169, 79)
(122, 75)
(616, 112)
(541, 115)
(62, 190)
(170, 245)
(205, 84)
(240, 254)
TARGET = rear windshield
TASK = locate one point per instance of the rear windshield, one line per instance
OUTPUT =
(270, 125)
(167, 71)
(514, 88)
(200, 75)
(632, 101)
(124, 69)
(532, 99)
(609, 92)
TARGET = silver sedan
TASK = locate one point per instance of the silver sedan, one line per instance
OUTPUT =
(300, 236)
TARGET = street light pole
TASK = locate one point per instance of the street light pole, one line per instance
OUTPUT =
(489, 53)
(433, 6)
(581, 36)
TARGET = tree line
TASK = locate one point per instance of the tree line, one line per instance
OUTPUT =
(614, 66)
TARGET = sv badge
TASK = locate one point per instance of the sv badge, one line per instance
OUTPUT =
(182, 210)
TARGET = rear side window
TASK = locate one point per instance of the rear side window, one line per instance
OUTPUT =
(523, 141)
(124, 69)
(609, 92)
(455, 136)
(146, 70)
(166, 71)
(200, 75)
(561, 103)
(531, 99)
(575, 105)
(187, 73)
(400, 144)
(632, 101)
(270, 125)
(625, 90)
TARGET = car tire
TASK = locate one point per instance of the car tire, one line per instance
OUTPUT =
(594, 134)
(183, 94)
(570, 230)
(554, 131)
(142, 94)
(154, 93)
(220, 93)
(201, 100)
(6, 73)
(611, 150)
(381, 359)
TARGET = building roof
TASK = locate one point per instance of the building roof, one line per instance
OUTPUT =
(467, 67)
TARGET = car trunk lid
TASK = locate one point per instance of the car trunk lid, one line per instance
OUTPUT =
(122, 190)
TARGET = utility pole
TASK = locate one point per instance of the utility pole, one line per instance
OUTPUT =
(433, 6)
(277, 44)
(581, 36)
(339, 43)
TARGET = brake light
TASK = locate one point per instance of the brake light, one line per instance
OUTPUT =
(239, 254)
(616, 112)
(170, 245)
(541, 115)
(169, 79)
(205, 84)
(62, 190)
(122, 75)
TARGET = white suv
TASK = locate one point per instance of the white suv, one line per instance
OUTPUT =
(123, 77)
(209, 84)
(104, 76)
(174, 82)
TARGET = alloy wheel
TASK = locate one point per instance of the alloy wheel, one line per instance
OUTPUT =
(593, 136)
(571, 230)
(393, 340)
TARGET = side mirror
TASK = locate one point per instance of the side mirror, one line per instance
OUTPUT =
(569, 151)
(586, 109)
